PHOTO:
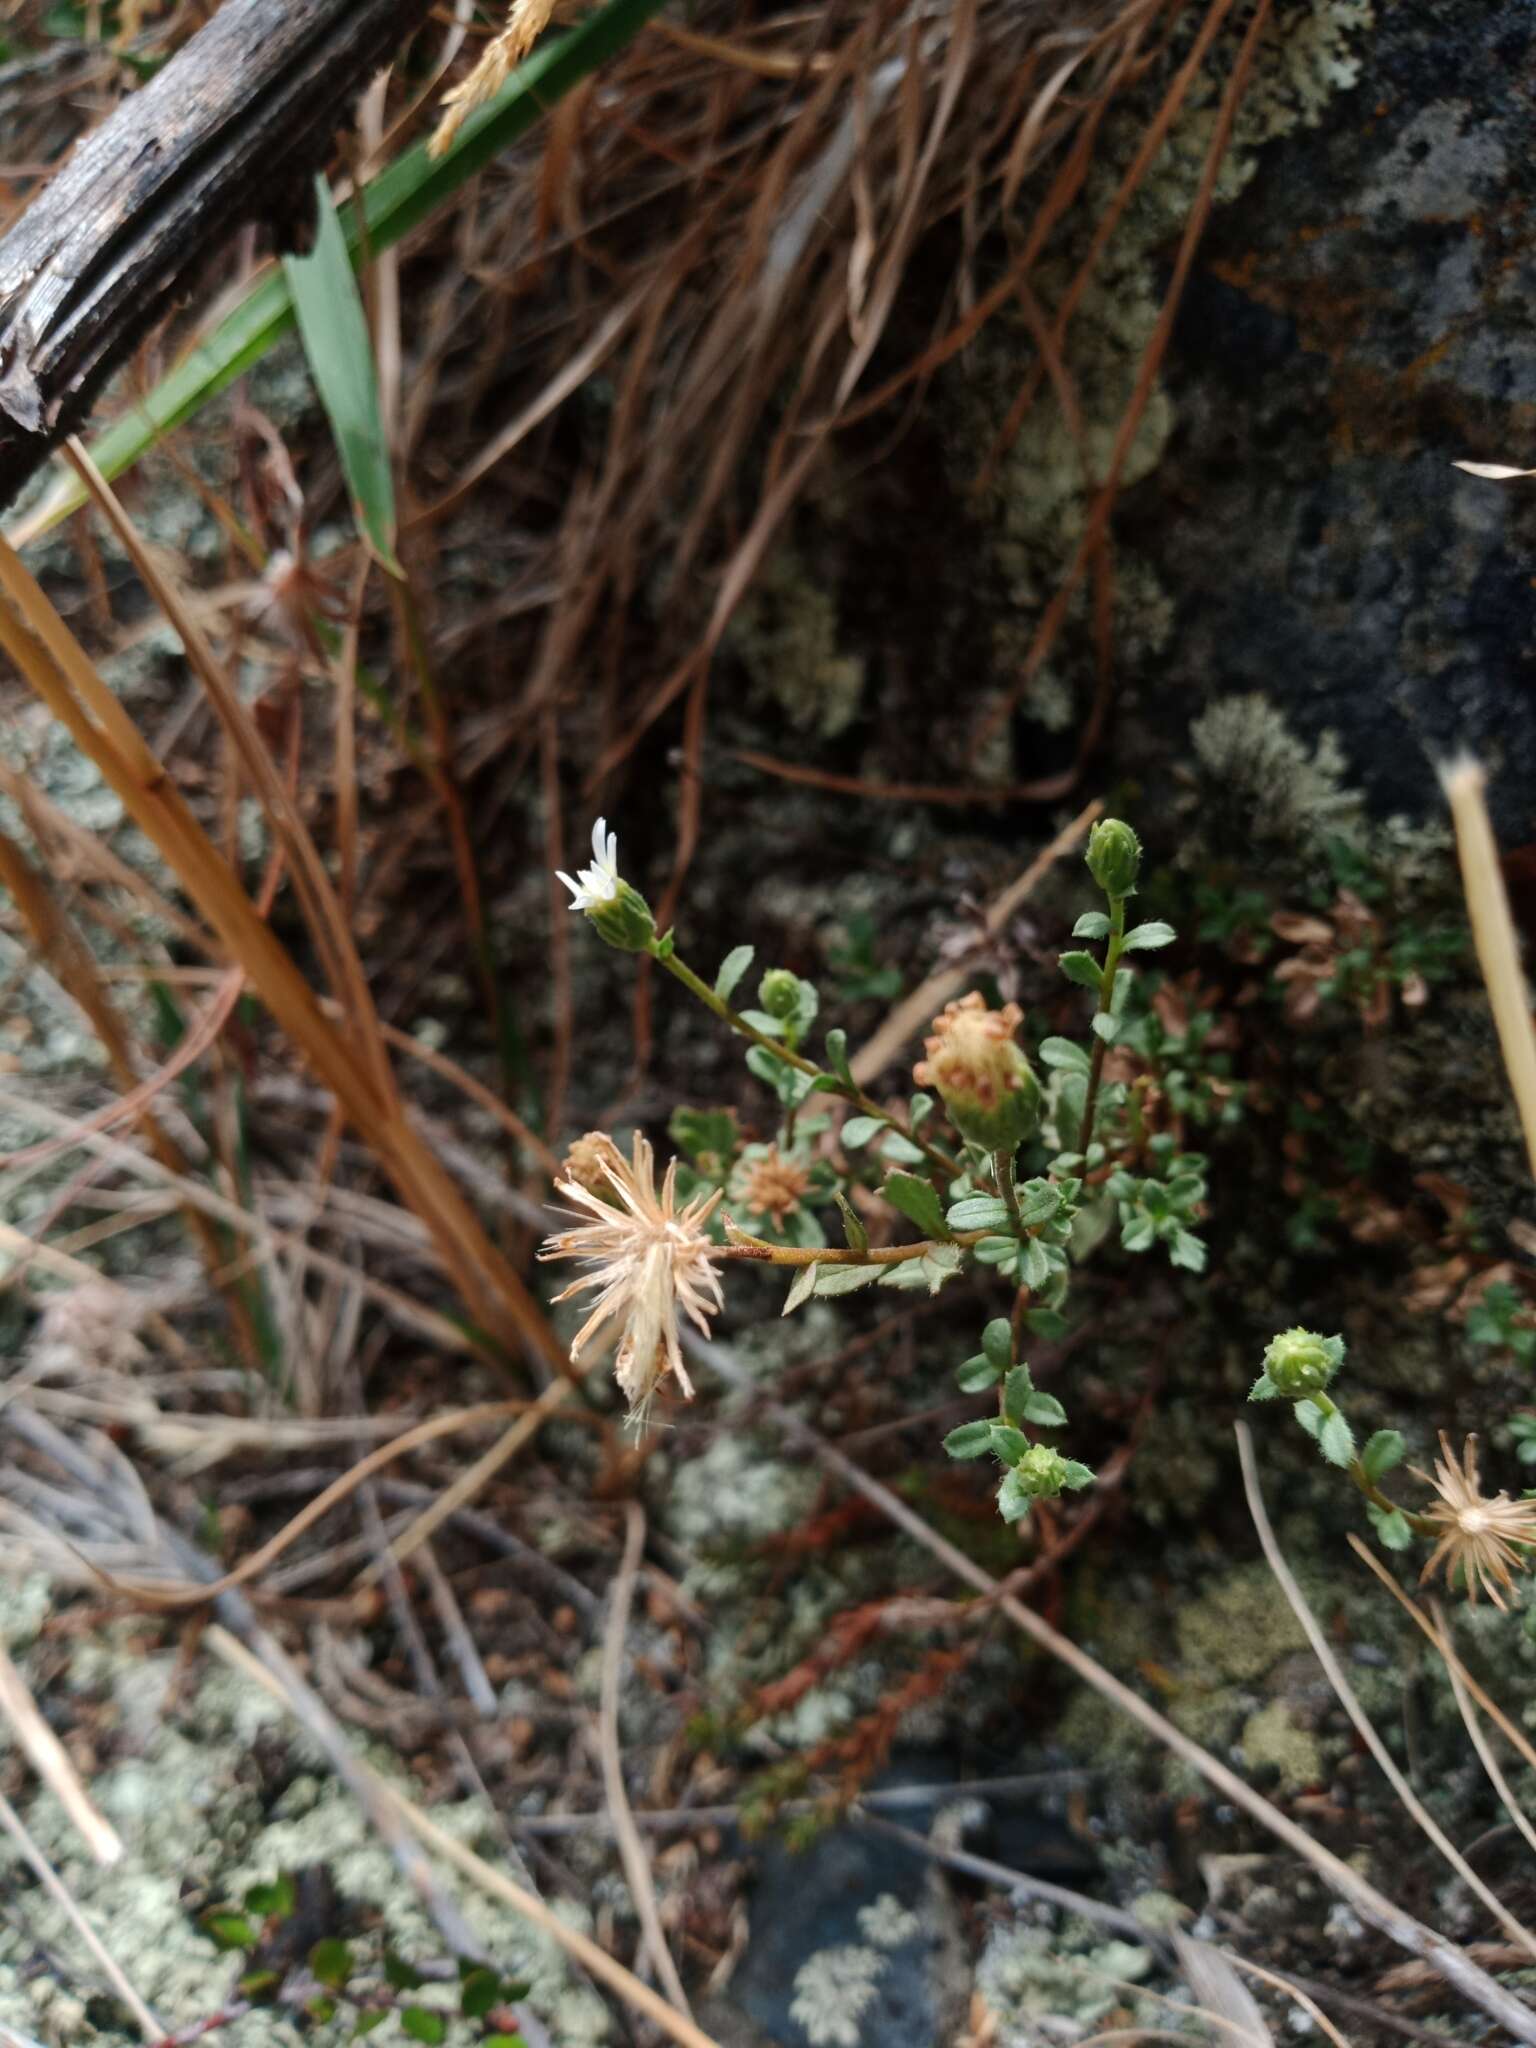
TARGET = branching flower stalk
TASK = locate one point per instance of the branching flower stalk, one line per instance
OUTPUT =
(1003, 1195)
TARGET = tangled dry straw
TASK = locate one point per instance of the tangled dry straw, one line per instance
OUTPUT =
(720, 229)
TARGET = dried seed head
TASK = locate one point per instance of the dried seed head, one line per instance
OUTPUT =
(1488, 1539)
(987, 1085)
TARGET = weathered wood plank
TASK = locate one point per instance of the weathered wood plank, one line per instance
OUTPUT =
(229, 131)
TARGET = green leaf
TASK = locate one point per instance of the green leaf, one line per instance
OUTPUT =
(977, 1374)
(1188, 1251)
(1382, 1451)
(260, 1985)
(1310, 1416)
(1013, 1499)
(1393, 1528)
(369, 2022)
(480, 1990)
(859, 1130)
(979, 1212)
(1077, 1474)
(761, 1020)
(1038, 1203)
(401, 1975)
(504, 2041)
(1045, 1411)
(331, 1962)
(837, 1056)
(930, 1271)
(918, 1109)
(997, 1342)
(1064, 1054)
(732, 968)
(273, 1901)
(1105, 1027)
(901, 1151)
(1146, 938)
(1083, 969)
(405, 193)
(1034, 1266)
(709, 1137)
(1009, 1443)
(334, 330)
(1045, 1322)
(422, 2024)
(917, 1201)
(846, 1279)
(1336, 1440)
(854, 1233)
(320, 2009)
(229, 1930)
(1018, 1388)
(1093, 924)
(1263, 1389)
(970, 1440)
(801, 1288)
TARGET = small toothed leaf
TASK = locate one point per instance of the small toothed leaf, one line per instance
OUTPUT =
(1045, 1412)
(859, 1130)
(1065, 1054)
(970, 1440)
(1081, 968)
(1147, 938)
(802, 1287)
(1093, 924)
(917, 1201)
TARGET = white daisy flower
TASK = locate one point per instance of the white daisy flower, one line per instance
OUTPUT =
(599, 883)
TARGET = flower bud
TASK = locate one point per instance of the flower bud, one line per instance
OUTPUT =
(1299, 1363)
(618, 913)
(1114, 857)
(1042, 1472)
(779, 992)
(987, 1085)
(624, 920)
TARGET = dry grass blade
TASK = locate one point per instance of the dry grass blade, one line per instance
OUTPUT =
(1493, 933)
(490, 1880)
(1218, 1988)
(1293, 1990)
(1323, 1650)
(143, 2018)
(1480, 1742)
(1451, 1963)
(913, 1014)
(50, 1760)
(1490, 1707)
(637, 1868)
(51, 661)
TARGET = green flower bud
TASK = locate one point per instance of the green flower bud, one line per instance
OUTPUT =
(618, 913)
(624, 920)
(779, 992)
(1114, 857)
(1042, 1472)
(1299, 1363)
(987, 1085)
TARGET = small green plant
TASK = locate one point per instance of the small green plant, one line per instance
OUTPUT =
(1483, 1539)
(991, 1160)
(362, 1986)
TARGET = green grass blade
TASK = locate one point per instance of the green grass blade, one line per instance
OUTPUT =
(334, 330)
(402, 196)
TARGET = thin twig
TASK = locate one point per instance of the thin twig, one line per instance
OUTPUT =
(1323, 1650)
(50, 1760)
(1449, 1961)
(143, 2018)
(637, 1868)
(913, 1012)
(1480, 1742)
(481, 1873)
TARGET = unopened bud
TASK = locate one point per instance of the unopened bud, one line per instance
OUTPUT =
(1042, 1472)
(779, 992)
(1300, 1362)
(1114, 857)
(987, 1085)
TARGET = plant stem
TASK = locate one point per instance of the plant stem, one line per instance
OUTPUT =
(1421, 1525)
(1002, 1168)
(681, 971)
(826, 1255)
(1106, 999)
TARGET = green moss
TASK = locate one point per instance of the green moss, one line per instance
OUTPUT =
(1273, 1736)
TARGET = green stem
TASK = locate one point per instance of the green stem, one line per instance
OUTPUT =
(1002, 1168)
(1106, 999)
(763, 1253)
(681, 971)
